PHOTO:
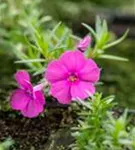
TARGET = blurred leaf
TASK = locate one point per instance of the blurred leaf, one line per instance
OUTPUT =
(63, 38)
(98, 27)
(52, 34)
(45, 19)
(6, 144)
(30, 61)
(75, 37)
(105, 56)
(117, 41)
(90, 29)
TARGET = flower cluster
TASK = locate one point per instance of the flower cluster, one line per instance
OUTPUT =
(71, 77)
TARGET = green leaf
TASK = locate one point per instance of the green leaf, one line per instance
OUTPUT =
(62, 39)
(105, 56)
(105, 27)
(30, 61)
(61, 47)
(117, 41)
(45, 19)
(98, 25)
(75, 37)
(109, 99)
(90, 29)
(103, 40)
(40, 71)
(52, 34)
(41, 43)
(7, 143)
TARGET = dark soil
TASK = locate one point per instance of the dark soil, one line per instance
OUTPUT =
(29, 133)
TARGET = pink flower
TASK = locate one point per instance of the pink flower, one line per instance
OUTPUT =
(84, 43)
(29, 100)
(72, 76)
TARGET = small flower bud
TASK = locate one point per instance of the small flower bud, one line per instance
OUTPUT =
(84, 43)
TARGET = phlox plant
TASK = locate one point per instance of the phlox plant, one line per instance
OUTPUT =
(72, 76)
(99, 128)
(16, 21)
(42, 46)
(68, 66)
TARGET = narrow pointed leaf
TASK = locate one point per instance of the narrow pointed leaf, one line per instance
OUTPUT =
(30, 61)
(75, 37)
(98, 25)
(54, 30)
(105, 56)
(117, 41)
(90, 29)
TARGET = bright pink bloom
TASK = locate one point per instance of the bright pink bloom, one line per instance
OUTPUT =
(29, 100)
(84, 43)
(72, 76)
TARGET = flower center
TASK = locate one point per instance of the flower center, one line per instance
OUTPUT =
(29, 93)
(72, 78)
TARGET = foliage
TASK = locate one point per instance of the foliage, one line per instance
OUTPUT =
(43, 46)
(103, 41)
(35, 43)
(16, 19)
(100, 128)
(5, 145)
(116, 76)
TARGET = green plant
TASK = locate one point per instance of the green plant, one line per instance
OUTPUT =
(35, 45)
(103, 41)
(43, 46)
(16, 18)
(100, 128)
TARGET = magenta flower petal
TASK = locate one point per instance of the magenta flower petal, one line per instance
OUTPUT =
(90, 72)
(30, 101)
(40, 97)
(23, 79)
(72, 60)
(55, 72)
(82, 90)
(28, 86)
(84, 43)
(61, 91)
(33, 109)
(19, 99)
(22, 75)
(78, 82)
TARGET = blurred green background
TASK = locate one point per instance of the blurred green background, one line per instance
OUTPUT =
(118, 77)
